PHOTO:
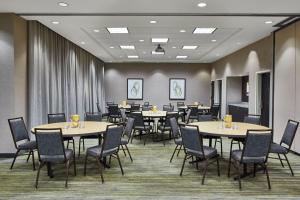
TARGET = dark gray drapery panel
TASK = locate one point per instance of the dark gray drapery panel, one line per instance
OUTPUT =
(62, 76)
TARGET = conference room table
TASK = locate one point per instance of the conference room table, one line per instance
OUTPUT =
(200, 107)
(85, 128)
(217, 128)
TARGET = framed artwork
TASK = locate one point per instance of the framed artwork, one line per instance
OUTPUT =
(177, 88)
(135, 88)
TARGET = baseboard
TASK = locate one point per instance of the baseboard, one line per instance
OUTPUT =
(7, 155)
(296, 153)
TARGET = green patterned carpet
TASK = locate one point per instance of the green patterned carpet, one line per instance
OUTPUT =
(150, 176)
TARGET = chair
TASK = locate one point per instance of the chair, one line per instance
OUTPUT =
(123, 116)
(176, 135)
(214, 111)
(100, 111)
(165, 124)
(51, 150)
(61, 117)
(193, 144)
(113, 113)
(135, 107)
(286, 142)
(108, 103)
(255, 151)
(21, 139)
(90, 117)
(188, 114)
(168, 108)
(146, 103)
(205, 118)
(147, 107)
(194, 112)
(110, 147)
(127, 136)
(181, 111)
(139, 125)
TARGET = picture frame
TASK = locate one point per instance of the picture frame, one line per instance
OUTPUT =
(135, 88)
(177, 88)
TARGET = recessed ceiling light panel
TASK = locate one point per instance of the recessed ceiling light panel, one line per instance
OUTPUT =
(55, 22)
(182, 31)
(268, 22)
(213, 40)
(181, 57)
(130, 47)
(160, 40)
(202, 5)
(189, 47)
(153, 22)
(134, 56)
(204, 30)
(63, 4)
(96, 30)
(158, 53)
(118, 30)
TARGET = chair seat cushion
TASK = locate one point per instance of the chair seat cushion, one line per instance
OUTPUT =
(276, 148)
(124, 141)
(29, 145)
(209, 152)
(58, 158)
(95, 151)
(237, 155)
(178, 141)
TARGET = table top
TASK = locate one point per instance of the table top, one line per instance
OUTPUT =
(200, 107)
(86, 128)
(216, 128)
(158, 113)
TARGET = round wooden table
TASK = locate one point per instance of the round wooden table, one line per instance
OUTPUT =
(200, 107)
(154, 114)
(216, 128)
(86, 128)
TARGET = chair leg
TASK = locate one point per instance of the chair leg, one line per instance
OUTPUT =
(67, 173)
(204, 172)
(280, 160)
(179, 150)
(268, 178)
(38, 174)
(13, 162)
(239, 175)
(101, 169)
(85, 161)
(239, 145)
(183, 164)
(287, 160)
(74, 163)
(28, 156)
(79, 149)
(33, 163)
(83, 144)
(119, 161)
(123, 150)
(173, 153)
(221, 147)
(128, 152)
(68, 144)
(218, 166)
(229, 164)
(254, 170)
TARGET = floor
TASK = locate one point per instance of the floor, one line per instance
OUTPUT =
(149, 176)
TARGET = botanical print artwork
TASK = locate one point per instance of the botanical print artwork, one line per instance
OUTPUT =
(135, 88)
(177, 89)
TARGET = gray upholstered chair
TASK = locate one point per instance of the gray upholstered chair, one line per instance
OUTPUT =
(110, 147)
(206, 118)
(21, 139)
(188, 114)
(286, 142)
(168, 108)
(193, 144)
(255, 151)
(135, 107)
(90, 116)
(51, 150)
(146, 103)
(181, 111)
(127, 136)
(176, 135)
(140, 126)
(123, 116)
(194, 113)
(113, 113)
(214, 111)
(165, 125)
(147, 107)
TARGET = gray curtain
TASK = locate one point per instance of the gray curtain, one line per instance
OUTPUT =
(62, 77)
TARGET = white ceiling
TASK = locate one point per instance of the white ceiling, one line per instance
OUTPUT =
(233, 32)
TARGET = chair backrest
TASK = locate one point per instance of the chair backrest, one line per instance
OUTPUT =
(50, 144)
(108, 103)
(289, 133)
(214, 110)
(170, 115)
(168, 108)
(252, 119)
(205, 118)
(129, 126)
(146, 103)
(93, 116)
(257, 145)
(56, 118)
(18, 130)
(99, 108)
(194, 110)
(191, 138)
(123, 114)
(147, 108)
(174, 127)
(188, 114)
(113, 109)
(135, 107)
(138, 118)
(112, 139)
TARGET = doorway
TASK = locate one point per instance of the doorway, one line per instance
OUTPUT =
(220, 96)
(263, 97)
(212, 97)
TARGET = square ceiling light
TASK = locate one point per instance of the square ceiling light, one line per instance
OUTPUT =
(118, 30)
(189, 47)
(130, 47)
(134, 56)
(181, 57)
(160, 40)
(204, 30)
(158, 53)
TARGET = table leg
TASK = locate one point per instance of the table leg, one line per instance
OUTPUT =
(210, 142)
(49, 170)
